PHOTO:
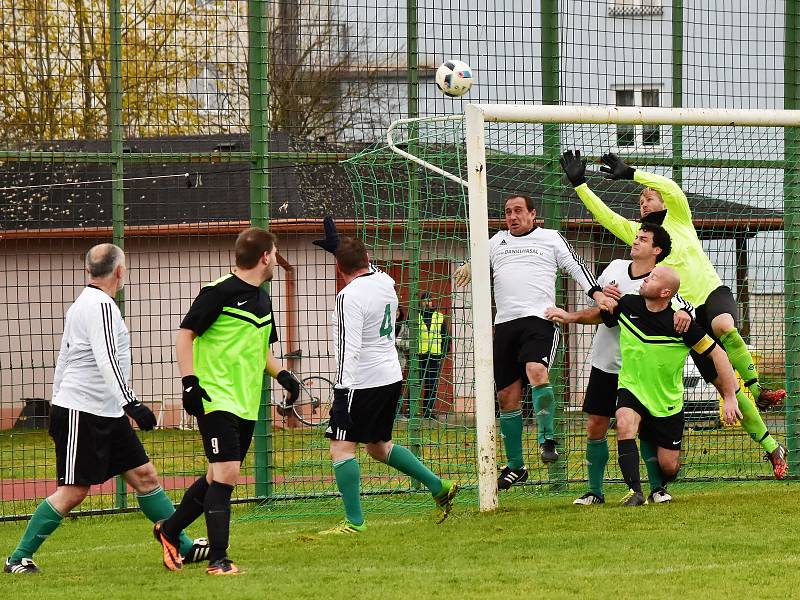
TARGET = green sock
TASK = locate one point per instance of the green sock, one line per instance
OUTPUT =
(753, 424)
(511, 429)
(650, 456)
(348, 480)
(44, 521)
(596, 461)
(742, 360)
(156, 506)
(544, 403)
(402, 459)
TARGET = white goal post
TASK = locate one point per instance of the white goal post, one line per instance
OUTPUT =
(475, 118)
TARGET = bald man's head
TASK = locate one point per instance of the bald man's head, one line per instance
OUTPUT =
(101, 260)
(663, 282)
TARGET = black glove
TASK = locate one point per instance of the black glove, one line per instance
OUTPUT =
(615, 168)
(290, 383)
(574, 167)
(193, 395)
(143, 416)
(331, 241)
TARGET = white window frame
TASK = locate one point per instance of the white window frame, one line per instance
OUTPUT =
(635, 8)
(638, 147)
(207, 89)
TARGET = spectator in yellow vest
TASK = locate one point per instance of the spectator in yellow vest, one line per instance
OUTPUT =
(402, 338)
(433, 346)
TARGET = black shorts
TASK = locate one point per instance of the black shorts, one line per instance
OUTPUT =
(517, 342)
(601, 393)
(226, 437)
(719, 302)
(365, 416)
(665, 432)
(92, 449)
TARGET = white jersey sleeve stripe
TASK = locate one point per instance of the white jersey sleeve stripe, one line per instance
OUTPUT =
(108, 332)
(684, 304)
(340, 337)
(554, 348)
(73, 417)
(94, 361)
(590, 278)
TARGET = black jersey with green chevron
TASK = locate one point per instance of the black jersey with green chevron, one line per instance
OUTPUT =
(653, 354)
(234, 325)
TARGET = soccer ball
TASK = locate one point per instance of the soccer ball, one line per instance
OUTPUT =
(454, 77)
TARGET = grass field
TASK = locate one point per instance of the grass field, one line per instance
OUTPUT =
(301, 462)
(722, 541)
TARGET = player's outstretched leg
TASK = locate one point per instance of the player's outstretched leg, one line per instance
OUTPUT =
(629, 465)
(780, 466)
(217, 510)
(658, 486)
(44, 521)
(596, 461)
(348, 480)
(401, 458)
(754, 425)
(171, 531)
(511, 430)
(743, 362)
(544, 403)
(157, 506)
(170, 552)
(445, 499)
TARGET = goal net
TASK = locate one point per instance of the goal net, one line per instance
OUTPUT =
(434, 194)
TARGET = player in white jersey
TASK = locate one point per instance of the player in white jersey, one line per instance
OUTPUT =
(651, 245)
(525, 260)
(368, 382)
(89, 424)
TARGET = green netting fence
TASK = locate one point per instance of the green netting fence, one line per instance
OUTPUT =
(168, 127)
(734, 179)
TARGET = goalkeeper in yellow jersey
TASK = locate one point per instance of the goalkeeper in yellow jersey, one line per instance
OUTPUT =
(663, 202)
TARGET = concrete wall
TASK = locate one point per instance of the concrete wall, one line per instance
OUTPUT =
(41, 278)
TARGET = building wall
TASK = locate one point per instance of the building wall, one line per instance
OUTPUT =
(42, 277)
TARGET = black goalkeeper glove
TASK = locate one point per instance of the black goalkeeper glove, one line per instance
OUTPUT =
(143, 416)
(574, 167)
(615, 168)
(290, 383)
(331, 241)
(193, 395)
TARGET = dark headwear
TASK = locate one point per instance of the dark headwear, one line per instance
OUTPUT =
(425, 296)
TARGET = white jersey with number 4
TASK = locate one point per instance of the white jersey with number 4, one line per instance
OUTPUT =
(363, 333)
(524, 272)
(605, 353)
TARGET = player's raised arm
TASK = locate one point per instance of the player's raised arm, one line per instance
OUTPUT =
(671, 194)
(570, 261)
(575, 168)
